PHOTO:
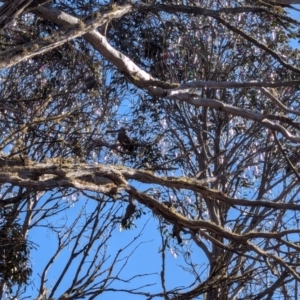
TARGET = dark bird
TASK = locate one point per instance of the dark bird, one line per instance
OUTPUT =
(129, 212)
(90, 82)
(176, 233)
(292, 162)
(125, 141)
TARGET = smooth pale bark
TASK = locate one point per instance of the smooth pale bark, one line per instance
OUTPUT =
(144, 80)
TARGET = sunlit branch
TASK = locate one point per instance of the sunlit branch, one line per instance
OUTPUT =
(234, 84)
(108, 179)
(276, 259)
(229, 109)
(41, 46)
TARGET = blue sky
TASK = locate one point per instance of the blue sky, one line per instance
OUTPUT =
(146, 258)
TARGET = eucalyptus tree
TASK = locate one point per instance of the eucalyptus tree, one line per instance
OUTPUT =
(184, 113)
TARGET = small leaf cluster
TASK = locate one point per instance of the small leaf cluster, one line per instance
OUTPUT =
(14, 255)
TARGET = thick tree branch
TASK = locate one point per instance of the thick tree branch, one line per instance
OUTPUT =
(234, 84)
(40, 46)
(108, 178)
(125, 65)
(143, 80)
(229, 109)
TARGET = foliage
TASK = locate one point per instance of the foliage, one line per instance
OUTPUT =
(14, 253)
(174, 120)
